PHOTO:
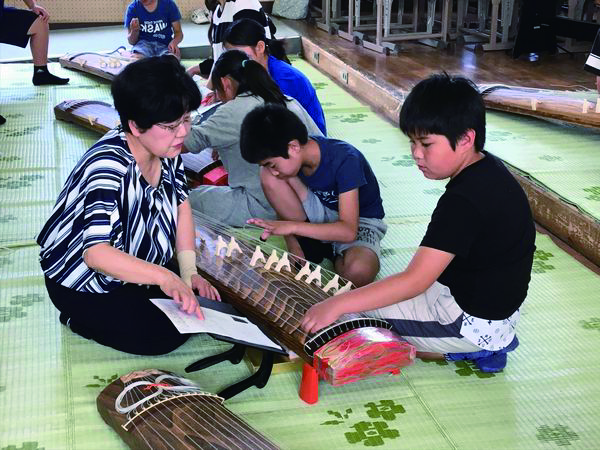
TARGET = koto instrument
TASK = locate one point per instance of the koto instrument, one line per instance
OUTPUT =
(156, 409)
(105, 65)
(101, 116)
(543, 103)
(91, 114)
(276, 289)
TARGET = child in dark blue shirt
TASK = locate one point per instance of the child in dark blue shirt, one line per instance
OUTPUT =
(154, 27)
(323, 190)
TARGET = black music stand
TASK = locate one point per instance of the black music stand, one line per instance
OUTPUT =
(235, 355)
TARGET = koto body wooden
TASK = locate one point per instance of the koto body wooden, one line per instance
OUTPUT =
(105, 65)
(95, 115)
(542, 103)
(100, 117)
(274, 299)
(170, 412)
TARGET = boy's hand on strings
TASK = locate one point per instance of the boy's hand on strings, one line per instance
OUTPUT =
(182, 294)
(273, 227)
(204, 288)
(320, 316)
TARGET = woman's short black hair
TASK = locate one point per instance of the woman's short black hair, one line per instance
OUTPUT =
(445, 105)
(154, 90)
(267, 130)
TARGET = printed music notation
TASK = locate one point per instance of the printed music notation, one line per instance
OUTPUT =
(220, 323)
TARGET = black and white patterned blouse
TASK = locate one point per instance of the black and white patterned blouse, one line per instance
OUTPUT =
(106, 200)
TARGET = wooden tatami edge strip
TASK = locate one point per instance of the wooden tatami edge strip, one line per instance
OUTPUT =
(578, 229)
(381, 95)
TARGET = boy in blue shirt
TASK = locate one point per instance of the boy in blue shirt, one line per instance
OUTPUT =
(154, 27)
(459, 297)
(323, 190)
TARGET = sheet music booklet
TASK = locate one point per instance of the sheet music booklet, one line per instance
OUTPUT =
(221, 320)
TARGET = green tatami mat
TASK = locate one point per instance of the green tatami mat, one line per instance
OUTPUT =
(37, 152)
(563, 158)
(547, 397)
(547, 394)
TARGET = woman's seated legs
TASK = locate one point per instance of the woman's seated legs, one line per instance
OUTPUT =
(123, 319)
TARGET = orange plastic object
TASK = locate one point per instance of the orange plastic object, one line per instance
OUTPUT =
(309, 387)
(216, 177)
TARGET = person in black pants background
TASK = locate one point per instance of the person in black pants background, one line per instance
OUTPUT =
(18, 27)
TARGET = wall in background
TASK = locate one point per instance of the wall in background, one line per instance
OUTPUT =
(103, 11)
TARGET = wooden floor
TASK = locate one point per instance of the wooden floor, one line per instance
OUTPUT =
(398, 73)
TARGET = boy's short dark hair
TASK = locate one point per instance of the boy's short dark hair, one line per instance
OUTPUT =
(154, 90)
(267, 130)
(445, 105)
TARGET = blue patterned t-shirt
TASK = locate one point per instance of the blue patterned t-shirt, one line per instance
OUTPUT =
(155, 26)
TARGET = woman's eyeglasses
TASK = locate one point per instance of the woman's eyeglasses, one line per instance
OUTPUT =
(186, 121)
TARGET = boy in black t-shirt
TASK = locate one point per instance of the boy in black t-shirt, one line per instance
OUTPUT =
(323, 189)
(460, 295)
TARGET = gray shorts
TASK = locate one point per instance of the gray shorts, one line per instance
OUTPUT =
(370, 231)
(150, 48)
(434, 322)
(431, 321)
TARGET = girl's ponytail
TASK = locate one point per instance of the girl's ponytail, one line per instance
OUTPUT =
(256, 80)
(277, 49)
(250, 75)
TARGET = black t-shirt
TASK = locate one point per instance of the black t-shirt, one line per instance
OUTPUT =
(484, 219)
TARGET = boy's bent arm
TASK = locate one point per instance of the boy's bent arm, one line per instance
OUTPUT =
(177, 38)
(177, 32)
(133, 35)
(423, 270)
(344, 230)
(348, 209)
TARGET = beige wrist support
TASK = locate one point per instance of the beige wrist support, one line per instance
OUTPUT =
(187, 265)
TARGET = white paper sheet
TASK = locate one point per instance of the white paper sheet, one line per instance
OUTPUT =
(197, 161)
(216, 322)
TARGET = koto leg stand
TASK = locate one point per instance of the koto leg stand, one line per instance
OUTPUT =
(235, 355)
